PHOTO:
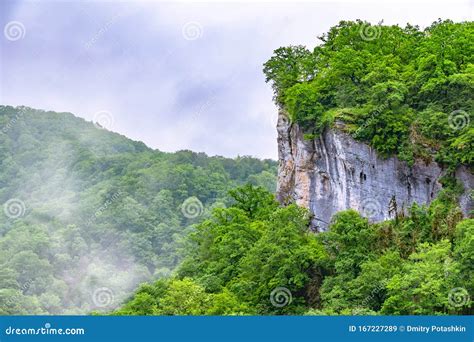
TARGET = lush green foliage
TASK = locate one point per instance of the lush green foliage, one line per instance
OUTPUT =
(100, 210)
(416, 264)
(239, 256)
(406, 91)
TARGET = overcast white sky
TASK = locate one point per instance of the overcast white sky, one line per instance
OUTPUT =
(174, 75)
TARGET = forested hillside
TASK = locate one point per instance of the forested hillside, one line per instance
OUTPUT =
(404, 91)
(87, 214)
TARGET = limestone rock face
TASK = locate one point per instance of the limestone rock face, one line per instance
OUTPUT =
(334, 172)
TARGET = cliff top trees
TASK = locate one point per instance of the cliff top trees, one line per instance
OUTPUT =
(289, 65)
(388, 84)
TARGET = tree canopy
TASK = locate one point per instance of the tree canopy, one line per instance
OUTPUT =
(405, 91)
(85, 209)
(246, 263)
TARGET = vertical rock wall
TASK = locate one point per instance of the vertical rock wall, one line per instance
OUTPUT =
(334, 172)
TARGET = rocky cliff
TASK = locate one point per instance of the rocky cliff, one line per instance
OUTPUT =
(334, 172)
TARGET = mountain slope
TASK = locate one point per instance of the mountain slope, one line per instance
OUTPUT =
(87, 213)
(406, 95)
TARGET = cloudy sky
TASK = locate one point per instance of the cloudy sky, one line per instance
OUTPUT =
(174, 75)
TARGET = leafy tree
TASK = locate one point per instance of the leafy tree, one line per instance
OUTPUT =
(184, 297)
(463, 253)
(405, 91)
(288, 66)
(256, 202)
(287, 255)
(423, 286)
(349, 242)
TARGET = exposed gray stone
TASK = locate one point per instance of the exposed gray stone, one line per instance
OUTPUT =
(334, 172)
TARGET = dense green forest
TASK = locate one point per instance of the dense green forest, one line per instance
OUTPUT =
(87, 214)
(405, 91)
(256, 257)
